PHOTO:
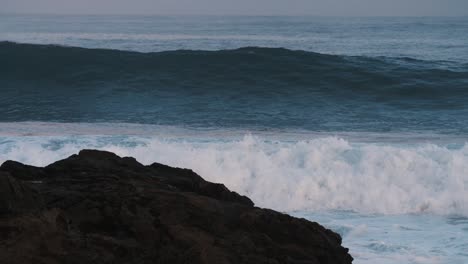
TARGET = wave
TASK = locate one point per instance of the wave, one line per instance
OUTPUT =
(250, 87)
(327, 173)
(274, 70)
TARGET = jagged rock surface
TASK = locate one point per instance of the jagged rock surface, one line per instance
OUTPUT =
(96, 207)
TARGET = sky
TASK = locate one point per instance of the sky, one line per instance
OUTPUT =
(242, 7)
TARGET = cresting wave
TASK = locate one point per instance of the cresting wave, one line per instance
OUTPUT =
(242, 88)
(252, 69)
(327, 173)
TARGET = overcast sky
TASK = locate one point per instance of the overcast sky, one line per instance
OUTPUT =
(242, 7)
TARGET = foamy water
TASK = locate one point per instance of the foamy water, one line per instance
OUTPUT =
(315, 172)
(393, 201)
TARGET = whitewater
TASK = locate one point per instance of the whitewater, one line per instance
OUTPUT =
(359, 124)
(393, 200)
(289, 172)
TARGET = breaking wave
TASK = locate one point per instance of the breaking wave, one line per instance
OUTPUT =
(322, 173)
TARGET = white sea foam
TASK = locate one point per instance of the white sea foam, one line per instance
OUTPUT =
(318, 174)
(424, 238)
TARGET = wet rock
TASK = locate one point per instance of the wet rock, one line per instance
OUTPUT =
(96, 207)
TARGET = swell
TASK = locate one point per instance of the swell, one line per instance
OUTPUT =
(262, 70)
(258, 88)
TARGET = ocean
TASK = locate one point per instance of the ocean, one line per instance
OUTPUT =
(360, 124)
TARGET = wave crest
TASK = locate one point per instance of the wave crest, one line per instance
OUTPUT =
(269, 70)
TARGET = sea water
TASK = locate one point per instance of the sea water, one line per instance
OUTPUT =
(360, 124)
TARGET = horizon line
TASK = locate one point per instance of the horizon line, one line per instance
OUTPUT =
(226, 14)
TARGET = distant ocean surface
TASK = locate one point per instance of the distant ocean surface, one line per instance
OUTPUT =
(358, 123)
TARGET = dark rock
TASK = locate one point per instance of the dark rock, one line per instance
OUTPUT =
(23, 172)
(96, 207)
(189, 181)
(16, 197)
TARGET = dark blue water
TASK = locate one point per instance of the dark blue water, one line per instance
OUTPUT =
(249, 87)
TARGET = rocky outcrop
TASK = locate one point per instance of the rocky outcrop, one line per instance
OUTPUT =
(96, 207)
(16, 197)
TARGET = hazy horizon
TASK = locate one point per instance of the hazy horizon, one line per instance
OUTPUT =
(226, 15)
(352, 8)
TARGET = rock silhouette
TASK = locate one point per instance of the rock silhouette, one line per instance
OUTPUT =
(96, 207)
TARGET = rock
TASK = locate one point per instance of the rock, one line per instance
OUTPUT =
(16, 197)
(189, 181)
(23, 172)
(96, 207)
